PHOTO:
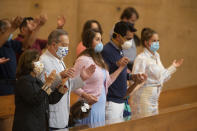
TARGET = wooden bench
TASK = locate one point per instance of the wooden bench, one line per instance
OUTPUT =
(175, 97)
(179, 118)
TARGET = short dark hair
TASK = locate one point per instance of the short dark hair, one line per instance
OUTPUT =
(25, 65)
(24, 22)
(128, 12)
(88, 26)
(122, 28)
(146, 34)
(55, 35)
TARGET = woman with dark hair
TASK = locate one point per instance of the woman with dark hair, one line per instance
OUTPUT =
(97, 85)
(32, 97)
(90, 24)
(144, 101)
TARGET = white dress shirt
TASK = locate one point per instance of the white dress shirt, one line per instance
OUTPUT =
(144, 101)
(151, 65)
(59, 112)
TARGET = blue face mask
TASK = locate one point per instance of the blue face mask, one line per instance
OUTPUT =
(154, 46)
(10, 37)
(98, 48)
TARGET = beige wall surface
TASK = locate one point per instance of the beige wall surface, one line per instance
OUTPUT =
(175, 21)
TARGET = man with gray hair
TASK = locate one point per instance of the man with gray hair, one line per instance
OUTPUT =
(52, 58)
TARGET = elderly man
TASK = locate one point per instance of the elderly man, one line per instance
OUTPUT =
(58, 42)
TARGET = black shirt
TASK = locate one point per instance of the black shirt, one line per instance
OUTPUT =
(32, 104)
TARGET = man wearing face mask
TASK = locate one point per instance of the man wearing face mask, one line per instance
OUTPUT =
(113, 56)
(58, 42)
(130, 15)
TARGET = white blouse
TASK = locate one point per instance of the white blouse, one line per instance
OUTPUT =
(151, 65)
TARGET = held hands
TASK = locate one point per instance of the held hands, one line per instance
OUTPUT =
(178, 63)
(50, 79)
(61, 22)
(89, 98)
(86, 73)
(139, 78)
(122, 62)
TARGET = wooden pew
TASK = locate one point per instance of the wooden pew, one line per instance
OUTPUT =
(7, 108)
(176, 97)
(168, 99)
(180, 118)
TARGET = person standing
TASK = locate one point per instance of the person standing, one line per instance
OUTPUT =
(144, 101)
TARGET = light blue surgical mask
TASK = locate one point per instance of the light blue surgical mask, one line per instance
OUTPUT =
(154, 46)
(10, 37)
(62, 52)
(98, 48)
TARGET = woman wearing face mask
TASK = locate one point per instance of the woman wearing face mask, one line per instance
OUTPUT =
(144, 101)
(90, 24)
(32, 97)
(97, 85)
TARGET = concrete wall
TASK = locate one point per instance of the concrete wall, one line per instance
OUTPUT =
(175, 21)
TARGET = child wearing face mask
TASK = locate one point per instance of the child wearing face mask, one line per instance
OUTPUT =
(32, 97)
(144, 101)
(97, 85)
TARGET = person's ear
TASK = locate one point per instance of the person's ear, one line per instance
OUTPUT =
(146, 43)
(22, 30)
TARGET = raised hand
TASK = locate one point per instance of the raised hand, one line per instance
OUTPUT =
(16, 22)
(123, 62)
(4, 60)
(49, 80)
(43, 19)
(178, 63)
(61, 22)
(86, 73)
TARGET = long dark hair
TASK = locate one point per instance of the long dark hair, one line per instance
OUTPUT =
(146, 34)
(25, 65)
(87, 40)
(88, 25)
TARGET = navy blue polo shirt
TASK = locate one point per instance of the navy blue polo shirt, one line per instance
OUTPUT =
(8, 70)
(111, 54)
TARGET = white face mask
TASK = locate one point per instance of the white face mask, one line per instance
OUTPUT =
(127, 44)
(38, 68)
(62, 51)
